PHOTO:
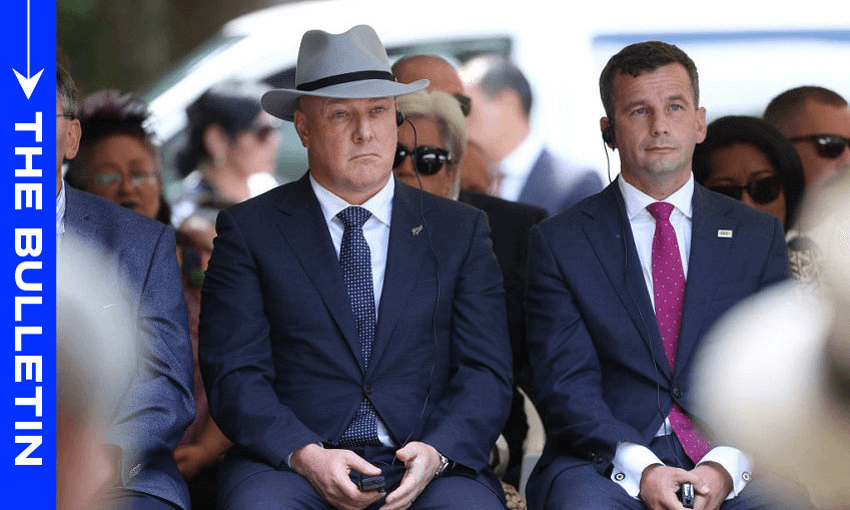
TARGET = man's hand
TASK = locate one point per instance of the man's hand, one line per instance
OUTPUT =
(658, 486)
(421, 461)
(327, 471)
(714, 485)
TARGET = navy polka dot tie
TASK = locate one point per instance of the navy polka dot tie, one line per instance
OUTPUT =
(356, 261)
(668, 283)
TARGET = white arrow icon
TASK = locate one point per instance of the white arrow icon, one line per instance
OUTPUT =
(28, 83)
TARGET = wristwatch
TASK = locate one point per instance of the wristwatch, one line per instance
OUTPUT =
(444, 464)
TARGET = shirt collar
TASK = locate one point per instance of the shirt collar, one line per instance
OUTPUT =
(636, 200)
(380, 205)
(60, 211)
(520, 161)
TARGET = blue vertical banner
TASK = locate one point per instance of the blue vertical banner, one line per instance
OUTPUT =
(28, 255)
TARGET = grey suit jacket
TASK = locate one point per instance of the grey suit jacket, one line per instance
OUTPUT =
(157, 406)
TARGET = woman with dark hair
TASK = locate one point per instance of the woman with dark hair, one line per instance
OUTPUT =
(749, 160)
(117, 158)
(231, 154)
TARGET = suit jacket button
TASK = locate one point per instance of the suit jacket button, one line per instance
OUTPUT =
(595, 458)
(367, 388)
(677, 392)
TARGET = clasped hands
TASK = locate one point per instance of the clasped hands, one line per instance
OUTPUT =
(659, 483)
(328, 469)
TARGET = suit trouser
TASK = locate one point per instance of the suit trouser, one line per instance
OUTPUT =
(269, 488)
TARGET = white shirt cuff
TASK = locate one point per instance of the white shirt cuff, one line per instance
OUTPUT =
(629, 462)
(735, 462)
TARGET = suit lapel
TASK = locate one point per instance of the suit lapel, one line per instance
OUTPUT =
(705, 268)
(611, 237)
(81, 223)
(303, 225)
(407, 244)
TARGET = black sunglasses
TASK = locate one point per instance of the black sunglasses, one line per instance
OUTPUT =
(762, 191)
(827, 146)
(465, 103)
(427, 160)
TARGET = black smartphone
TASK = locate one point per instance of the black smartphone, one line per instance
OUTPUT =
(686, 495)
(372, 483)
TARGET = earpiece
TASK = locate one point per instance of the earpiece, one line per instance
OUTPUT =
(608, 136)
(399, 118)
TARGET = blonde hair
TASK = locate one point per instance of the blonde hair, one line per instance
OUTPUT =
(445, 110)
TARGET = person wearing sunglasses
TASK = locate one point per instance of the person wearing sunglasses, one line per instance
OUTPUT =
(817, 121)
(117, 158)
(749, 160)
(231, 153)
(431, 144)
(475, 169)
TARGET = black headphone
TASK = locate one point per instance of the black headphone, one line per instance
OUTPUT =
(399, 118)
(608, 135)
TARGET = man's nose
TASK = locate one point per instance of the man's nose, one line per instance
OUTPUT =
(364, 129)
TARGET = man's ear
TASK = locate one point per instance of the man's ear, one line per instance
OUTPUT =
(215, 142)
(300, 121)
(73, 133)
(607, 128)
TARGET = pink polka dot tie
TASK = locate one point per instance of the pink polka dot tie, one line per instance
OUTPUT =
(668, 282)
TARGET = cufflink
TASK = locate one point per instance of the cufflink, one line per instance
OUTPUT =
(745, 476)
(619, 477)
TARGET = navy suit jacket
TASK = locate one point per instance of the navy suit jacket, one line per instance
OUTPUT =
(158, 405)
(554, 187)
(279, 350)
(601, 374)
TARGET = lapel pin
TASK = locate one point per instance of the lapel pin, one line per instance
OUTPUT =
(415, 230)
(724, 234)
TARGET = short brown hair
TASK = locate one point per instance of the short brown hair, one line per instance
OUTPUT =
(787, 103)
(639, 58)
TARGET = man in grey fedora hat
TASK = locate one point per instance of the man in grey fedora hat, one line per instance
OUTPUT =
(353, 330)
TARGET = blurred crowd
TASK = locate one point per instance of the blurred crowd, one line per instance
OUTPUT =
(466, 137)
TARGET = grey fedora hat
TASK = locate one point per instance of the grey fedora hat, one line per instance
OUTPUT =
(351, 65)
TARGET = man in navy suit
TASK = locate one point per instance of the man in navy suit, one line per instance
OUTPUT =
(157, 405)
(499, 123)
(338, 352)
(612, 372)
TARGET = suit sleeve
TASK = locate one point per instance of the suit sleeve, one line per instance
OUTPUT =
(235, 354)
(565, 362)
(472, 411)
(159, 404)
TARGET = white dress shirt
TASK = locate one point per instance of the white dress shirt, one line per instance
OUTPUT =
(376, 230)
(631, 459)
(60, 220)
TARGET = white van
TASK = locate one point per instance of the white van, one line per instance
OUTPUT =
(746, 54)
